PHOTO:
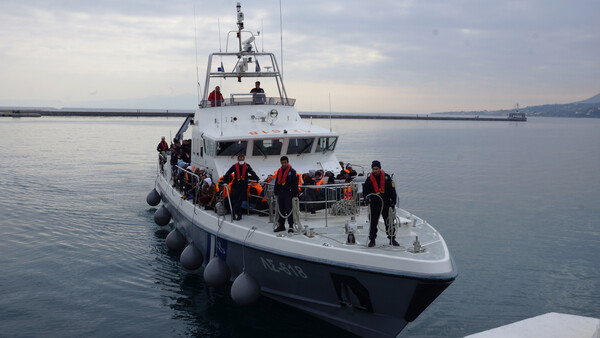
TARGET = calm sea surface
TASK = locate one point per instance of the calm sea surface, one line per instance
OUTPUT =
(80, 255)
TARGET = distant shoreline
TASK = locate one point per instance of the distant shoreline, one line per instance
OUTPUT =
(36, 112)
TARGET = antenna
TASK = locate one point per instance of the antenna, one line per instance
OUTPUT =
(219, 25)
(196, 45)
(262, 39)
(330, 129)
(281, 37)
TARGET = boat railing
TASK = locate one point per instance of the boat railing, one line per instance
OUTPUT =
(335, 199)
(248, 99)
(188, 182)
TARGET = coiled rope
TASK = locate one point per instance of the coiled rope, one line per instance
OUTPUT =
(295, 212)
(393, 220)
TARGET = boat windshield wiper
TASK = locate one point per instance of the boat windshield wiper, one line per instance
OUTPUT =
(241, 151)
(306, 147)
(260, 149)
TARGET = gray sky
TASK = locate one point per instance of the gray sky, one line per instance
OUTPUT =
(381, 56)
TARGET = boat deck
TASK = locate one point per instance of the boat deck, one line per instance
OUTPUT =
(324, 237)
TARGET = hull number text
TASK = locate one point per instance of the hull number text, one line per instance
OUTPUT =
(288, 269)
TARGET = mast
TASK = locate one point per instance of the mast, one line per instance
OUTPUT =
(245, 56)
(240, 24)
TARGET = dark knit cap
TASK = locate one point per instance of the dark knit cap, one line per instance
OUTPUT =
(376, 164)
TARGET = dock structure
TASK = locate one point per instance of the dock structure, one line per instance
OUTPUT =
(551, 324)
(116, 112)
(432, 117)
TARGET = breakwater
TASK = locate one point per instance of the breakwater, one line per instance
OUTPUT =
(33, 112)
(408, 117)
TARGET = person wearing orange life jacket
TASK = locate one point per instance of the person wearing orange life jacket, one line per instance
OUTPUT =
(309, 195)
(254, 190)
(256, 196)
(239, 188)
(224, 189)
(319, 178)
(162, 148)
(286, 188)
(268, 180)
(348, 190)
(379, 184)
(320, 193)
(221, 182)
(351, 172)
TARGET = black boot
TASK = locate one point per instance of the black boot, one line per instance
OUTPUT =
(280, 228)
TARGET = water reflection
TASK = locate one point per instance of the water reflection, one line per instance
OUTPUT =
(208, 311)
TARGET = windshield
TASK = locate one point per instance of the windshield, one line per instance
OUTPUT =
(300, 145)
(231, 148)
(266, 147)
(326, 143)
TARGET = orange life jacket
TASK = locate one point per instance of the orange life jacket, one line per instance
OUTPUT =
(259, 190)
(381, 187)
(348, 193)
(239, 176)
(320, 182)
(225, 191)
(277, 171)
(163, 145)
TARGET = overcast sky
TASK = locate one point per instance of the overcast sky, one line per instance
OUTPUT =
(371, 56)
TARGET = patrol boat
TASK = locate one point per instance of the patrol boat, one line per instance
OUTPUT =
(324, 267)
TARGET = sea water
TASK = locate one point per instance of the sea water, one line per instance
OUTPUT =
(517, 203)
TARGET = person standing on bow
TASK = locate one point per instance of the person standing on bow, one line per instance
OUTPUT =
(239, 187)
(286, 188)
(381, 193)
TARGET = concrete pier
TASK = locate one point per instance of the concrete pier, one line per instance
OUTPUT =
(24, 112)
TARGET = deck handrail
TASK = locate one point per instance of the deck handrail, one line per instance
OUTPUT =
(328, 195)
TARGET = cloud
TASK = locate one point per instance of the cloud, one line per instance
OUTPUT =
(462, 54)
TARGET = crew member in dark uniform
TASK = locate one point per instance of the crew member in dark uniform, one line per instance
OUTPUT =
(286, 188)
(258, 94)
(239, 187)
(380, 184)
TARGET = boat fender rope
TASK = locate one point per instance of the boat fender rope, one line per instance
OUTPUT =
(248, 234)
(296, 211)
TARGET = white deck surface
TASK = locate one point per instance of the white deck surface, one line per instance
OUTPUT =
(558, 325)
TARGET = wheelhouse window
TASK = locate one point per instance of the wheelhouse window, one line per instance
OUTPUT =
(300, 145)
(266, 147)
(231, 148)
(209, 146)
(326, 143)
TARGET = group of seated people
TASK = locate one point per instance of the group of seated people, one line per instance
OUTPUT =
(312, 197)
(204, 191)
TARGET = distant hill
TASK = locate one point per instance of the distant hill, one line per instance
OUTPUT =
(593, 99)
(585, 108)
